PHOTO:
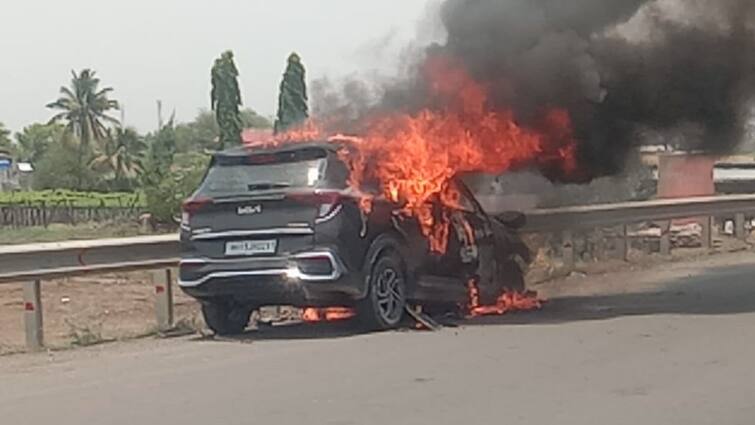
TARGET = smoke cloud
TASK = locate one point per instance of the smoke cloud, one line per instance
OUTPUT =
(621, 68)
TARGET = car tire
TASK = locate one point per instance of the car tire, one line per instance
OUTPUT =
(225, 318)
(385, 304)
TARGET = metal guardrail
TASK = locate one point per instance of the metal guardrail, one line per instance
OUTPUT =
(72, 258)
(568, 220)
(34, 263)
(586, 217)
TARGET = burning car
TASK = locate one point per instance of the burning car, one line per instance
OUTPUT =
(282, 226)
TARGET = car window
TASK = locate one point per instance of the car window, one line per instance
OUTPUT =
(225, 180)
(305, 168)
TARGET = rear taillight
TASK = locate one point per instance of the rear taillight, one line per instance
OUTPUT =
(191, 207)
(328, 203)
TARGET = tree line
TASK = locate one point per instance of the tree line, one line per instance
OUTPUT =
(83, 147)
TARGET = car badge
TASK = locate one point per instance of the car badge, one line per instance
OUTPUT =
(250, 210)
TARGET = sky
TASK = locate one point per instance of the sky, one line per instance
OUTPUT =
(150, 50)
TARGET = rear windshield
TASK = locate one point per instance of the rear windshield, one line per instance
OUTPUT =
(239, 175)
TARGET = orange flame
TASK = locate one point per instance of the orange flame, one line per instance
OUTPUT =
(412, 157)
(329, 314)
(509, 302)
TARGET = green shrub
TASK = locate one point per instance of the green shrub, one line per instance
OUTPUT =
(168, 190)
(62, 168)
(64, 197)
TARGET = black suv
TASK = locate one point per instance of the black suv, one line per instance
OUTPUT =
(279, 226)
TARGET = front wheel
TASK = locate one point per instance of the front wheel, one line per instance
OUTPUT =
(383, 308)
(225, 318)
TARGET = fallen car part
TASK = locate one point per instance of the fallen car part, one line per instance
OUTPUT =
(423, 319)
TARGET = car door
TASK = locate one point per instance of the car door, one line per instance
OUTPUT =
(474, 229)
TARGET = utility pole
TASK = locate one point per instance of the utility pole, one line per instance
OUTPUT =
(159, 115)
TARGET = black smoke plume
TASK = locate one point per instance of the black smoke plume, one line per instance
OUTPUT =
(689, 63)
(622, 68)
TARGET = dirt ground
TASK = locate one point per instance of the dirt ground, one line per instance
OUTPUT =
(97, 309)
(91, 310)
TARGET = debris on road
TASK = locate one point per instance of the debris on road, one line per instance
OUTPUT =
(423, 320)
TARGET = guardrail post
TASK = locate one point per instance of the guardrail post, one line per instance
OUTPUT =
(666, 238)
(739, 226)
(33, 315)
(625, 244)
(163, 281)
(708, 225)
(600, 245)
(567, 249)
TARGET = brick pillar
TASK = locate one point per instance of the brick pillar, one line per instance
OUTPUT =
(686, 175)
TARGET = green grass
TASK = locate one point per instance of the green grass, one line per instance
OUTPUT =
(71, 198)
(63, 232)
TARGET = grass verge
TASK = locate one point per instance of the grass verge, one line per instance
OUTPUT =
(64, 232)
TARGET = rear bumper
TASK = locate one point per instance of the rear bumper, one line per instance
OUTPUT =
(271, 281)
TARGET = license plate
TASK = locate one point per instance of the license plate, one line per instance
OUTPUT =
(247, 248)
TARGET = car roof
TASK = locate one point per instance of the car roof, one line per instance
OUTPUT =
(273, 149)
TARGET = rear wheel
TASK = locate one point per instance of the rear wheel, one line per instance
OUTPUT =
(225, 318)
(383, 308)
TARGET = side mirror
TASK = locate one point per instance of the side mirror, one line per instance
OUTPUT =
(513, 219)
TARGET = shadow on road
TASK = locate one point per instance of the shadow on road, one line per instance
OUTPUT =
(721, 291)
(294, 331)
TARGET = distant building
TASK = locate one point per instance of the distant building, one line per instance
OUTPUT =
(8, 172)
(14, 175)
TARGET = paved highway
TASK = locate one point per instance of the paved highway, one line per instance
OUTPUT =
(680, 351)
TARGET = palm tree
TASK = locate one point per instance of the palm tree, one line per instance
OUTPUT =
(121, 153)
(83, 108)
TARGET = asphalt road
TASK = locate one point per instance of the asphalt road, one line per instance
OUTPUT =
(680, 352)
